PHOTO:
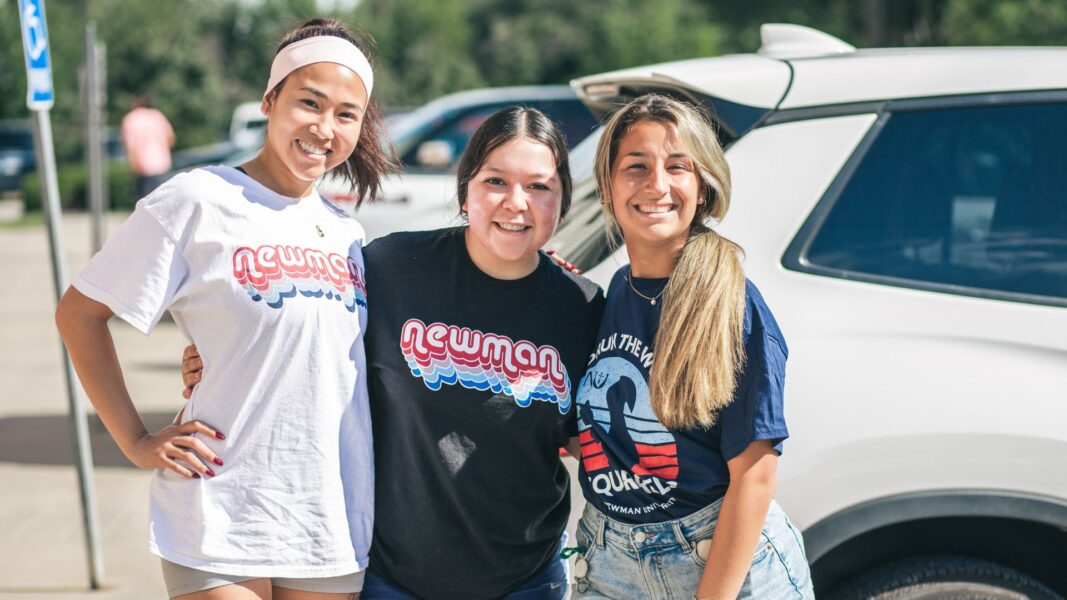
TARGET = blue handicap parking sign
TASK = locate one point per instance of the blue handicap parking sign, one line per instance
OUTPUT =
(40, 95)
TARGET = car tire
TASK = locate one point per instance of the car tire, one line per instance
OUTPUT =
(944, 578)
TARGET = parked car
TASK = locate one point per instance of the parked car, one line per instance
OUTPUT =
(430, 140)
(247, 124)
(16, 154)
(904, 213)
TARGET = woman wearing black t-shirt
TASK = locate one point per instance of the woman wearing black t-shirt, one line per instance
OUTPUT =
(475, 343)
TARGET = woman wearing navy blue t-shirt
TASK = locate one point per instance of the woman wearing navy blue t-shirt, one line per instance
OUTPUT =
(680, 413)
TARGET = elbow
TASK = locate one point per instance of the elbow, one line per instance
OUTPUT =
(762, 484)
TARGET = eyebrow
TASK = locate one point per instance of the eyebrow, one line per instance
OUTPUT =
(318, 93)
(540, 174)
(641, 154)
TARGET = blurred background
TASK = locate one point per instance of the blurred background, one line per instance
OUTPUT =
(198, 60)
(204, 63)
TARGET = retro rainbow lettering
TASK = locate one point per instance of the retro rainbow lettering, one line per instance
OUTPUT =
(446, 354)
(272, 273)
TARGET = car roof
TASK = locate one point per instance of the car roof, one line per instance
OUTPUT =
(879, 74)
(825, 73)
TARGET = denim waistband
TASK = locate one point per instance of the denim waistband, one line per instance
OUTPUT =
(681, 532)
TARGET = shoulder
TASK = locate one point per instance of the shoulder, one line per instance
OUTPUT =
(182, 198)
(409, 244)
(587, 291)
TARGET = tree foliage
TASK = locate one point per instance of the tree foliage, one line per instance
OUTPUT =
(198, 58)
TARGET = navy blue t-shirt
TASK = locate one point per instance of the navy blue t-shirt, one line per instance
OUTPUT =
(635, 470)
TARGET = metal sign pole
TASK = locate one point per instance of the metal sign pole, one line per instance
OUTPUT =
(42, 136)
(39, 99)
(93, 139)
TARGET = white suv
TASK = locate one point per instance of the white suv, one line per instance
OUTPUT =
(904, 213)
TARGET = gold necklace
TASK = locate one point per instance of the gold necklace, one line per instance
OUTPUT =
(652, 299)
(304, 209)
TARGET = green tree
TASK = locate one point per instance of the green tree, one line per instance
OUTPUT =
(65, 38)
(1016, 22)
(247, 38)
(429, 48)
(424, 48)
(157, 49)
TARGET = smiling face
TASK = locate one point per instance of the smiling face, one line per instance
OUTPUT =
(313, 125)
(655, 188)
(513, 208)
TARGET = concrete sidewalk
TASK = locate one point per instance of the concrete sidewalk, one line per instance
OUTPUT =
(42, 548)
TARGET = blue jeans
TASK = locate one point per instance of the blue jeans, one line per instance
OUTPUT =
(660, 560)
(550, 583)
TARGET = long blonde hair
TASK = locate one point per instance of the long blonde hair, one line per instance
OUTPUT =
(699, 346)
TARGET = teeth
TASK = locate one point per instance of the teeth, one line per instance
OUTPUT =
(656, 208)
(510, 227)
(311, 149)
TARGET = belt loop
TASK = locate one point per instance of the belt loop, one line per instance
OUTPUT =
(598, 537)
(676, 525)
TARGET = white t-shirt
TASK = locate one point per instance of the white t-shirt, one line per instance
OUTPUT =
(271, 290)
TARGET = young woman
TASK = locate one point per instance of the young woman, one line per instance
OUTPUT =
(680, 413)
(475, 342)
(256, 495)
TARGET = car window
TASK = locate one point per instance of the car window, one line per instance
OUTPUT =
(16, 139)
(573, 118)
(972, 198)
(457, 128)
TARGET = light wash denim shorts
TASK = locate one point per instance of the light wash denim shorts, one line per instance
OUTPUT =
(665, 560)
(183, 580)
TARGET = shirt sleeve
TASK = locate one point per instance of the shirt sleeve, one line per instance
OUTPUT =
(757, 412)
(137, 273)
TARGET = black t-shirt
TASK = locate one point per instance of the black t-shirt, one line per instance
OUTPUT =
(472, 382)
(634, 469)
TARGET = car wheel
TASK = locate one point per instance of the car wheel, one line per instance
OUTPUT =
(944, 578)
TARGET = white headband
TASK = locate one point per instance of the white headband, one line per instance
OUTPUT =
(323, 48)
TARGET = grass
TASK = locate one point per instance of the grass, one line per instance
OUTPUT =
(26, 220)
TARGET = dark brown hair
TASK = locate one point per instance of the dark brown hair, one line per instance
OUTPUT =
(504, 126)
(374, 156)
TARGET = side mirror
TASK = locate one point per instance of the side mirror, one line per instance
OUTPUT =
(435, 153)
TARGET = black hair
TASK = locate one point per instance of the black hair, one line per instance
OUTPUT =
(502, 127)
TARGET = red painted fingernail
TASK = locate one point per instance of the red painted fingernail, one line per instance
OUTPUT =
(220, 436)
(218, 461)
(550, 252)
(196, 475)
(210, 473)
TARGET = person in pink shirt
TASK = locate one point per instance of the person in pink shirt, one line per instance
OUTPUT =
(148, 138)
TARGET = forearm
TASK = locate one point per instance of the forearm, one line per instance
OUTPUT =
(85, 333)
(737, 533)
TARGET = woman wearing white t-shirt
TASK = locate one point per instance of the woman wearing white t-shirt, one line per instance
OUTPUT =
(264, 485)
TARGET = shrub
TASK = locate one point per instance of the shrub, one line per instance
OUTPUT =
(74, 187)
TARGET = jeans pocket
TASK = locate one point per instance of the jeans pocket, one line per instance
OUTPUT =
(585, 539)
(699, 550)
